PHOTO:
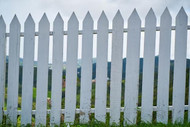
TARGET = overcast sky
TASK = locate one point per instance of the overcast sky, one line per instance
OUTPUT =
(8, 8)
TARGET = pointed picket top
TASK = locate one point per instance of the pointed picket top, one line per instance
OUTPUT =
(29, 20)
(118, 17)
(15, 21)
(103, 18)
(73, 19)
(88, 22)
(181, 14)
(58, 19)
(151, 16)
(166, 15)
(88, 18)
(2, 22)
(134, 17)
(44, 20)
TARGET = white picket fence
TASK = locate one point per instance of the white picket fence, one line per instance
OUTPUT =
(132, 69)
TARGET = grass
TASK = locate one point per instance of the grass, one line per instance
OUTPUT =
(95, 123)
(98, 124)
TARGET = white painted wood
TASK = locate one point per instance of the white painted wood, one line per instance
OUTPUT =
(125, 30)
(180, 66)
(86, 65)
(101, 68)
(13, 71)
(2, 65)
(132, 69)
(57, 67)
(42, 72)
(148, 67)
(71, 69)
(164, 67)
(92, 110)
(28, 71)
(116, 68)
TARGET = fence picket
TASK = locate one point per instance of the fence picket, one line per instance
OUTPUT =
(71, 69)
(180, 66)
(28, 60)
(42, 73)
(116, 68)
(101, 68)
(86, 65)
(13, 71)
(2, 65)
(148, 67)
(164, 67)
(132, 69)
(57, 66)
(131, 76)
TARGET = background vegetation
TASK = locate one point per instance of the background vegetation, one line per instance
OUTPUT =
(93, 122)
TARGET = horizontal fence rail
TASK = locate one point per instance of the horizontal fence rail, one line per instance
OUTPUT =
(92, 110)
(74, 90)
(125, 30)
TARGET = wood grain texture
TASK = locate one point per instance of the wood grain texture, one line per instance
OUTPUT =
(42, 73)
(86, 69)
(57, 68)
(28, 71)
(148, 67)
(164, 67)
(132, 69)
(13, 71)
(71, 69)
(180, 66)
(116, 68)
(101, 68)
(2, 65)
